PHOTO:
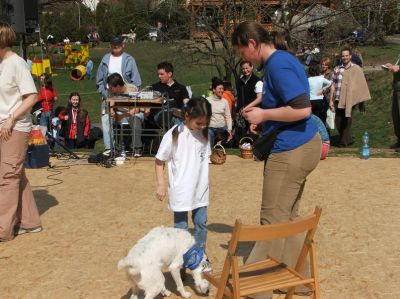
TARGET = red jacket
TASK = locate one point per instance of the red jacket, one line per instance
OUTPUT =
(47, 97)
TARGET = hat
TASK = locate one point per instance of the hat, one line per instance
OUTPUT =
(116, 40)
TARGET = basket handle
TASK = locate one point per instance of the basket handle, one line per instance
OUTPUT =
(246, 137)
(219, 145)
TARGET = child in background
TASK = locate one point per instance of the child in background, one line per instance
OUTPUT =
(186, 149)
(326, 143)
(75, 123)
(89, 69)
(47, 96)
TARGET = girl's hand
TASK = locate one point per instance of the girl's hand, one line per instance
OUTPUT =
(161, 192)
(6, 129)
(254, 115)
(66, 117)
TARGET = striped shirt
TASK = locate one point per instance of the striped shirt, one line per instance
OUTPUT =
(337, 78)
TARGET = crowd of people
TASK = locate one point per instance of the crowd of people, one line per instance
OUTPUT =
(337, 84)
(285, 103)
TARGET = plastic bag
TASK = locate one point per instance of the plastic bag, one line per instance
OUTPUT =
(330, 119)
(36, 136)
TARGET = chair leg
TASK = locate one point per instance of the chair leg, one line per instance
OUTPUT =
(317, 292)
(289, 293)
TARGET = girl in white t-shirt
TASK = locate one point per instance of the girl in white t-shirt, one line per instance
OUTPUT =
(186, 149)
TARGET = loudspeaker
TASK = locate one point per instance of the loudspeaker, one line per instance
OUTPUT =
(22, 15)
(31, 15)
(14, 13)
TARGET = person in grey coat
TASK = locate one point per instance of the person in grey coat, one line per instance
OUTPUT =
(117, 61)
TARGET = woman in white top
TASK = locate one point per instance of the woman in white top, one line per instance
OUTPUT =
(18, 211)
(186, 150)
(221, 119)
(318, 84)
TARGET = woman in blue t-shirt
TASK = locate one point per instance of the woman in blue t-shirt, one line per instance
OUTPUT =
(296, 151)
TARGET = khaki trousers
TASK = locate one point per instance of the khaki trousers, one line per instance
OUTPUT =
(17, 205)
(285, 175)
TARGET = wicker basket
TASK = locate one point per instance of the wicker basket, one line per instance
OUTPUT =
(218, 155)
(246, 153)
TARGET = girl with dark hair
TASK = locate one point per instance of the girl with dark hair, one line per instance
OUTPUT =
(318, 86)
(75, 123)
(296, 149)
(47, 96)
(185, 148)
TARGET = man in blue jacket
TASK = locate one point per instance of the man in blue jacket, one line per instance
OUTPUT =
(115, 62)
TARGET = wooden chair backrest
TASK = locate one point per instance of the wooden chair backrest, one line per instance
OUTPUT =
(250, 233)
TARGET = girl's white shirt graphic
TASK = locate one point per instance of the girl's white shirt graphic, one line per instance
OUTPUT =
(187, 168)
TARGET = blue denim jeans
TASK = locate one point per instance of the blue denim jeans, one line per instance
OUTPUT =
(105, 124)
(199, 218)
(45, 119)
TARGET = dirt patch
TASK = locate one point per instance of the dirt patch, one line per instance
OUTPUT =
(95, 215)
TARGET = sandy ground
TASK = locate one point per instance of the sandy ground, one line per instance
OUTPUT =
(95, 215)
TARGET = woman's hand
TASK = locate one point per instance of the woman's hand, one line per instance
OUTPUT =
(255, 129)
(66, 117)
(332, 106)
(161, 192)
(254, 115)
(6, 129)
(392, 68)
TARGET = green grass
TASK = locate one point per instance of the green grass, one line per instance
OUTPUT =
(380, 55)
(376, 120)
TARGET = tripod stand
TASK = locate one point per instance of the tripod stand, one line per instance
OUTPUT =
(55, 141)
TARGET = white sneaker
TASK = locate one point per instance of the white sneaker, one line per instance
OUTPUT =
(21, 230)
(107, 152)
(137, 152)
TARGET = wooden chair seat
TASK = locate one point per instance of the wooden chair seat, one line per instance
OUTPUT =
(236, 281)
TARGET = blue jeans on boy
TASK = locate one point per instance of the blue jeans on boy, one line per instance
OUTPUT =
(199, 218)
(45, 119)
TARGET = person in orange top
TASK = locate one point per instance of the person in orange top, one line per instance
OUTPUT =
(228, 95)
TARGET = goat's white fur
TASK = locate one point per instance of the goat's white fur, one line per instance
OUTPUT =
(161, 247)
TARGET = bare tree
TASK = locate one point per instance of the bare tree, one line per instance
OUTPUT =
(303, 21)
(211, 27)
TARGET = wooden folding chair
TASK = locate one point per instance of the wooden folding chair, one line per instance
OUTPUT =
(237, 281)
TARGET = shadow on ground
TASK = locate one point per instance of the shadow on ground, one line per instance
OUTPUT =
(220, 228)
(170, 285)
(44, 200)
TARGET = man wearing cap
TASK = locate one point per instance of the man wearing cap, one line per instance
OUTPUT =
(115, 62)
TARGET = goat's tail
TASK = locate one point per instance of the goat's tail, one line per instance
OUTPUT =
(127, 262)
